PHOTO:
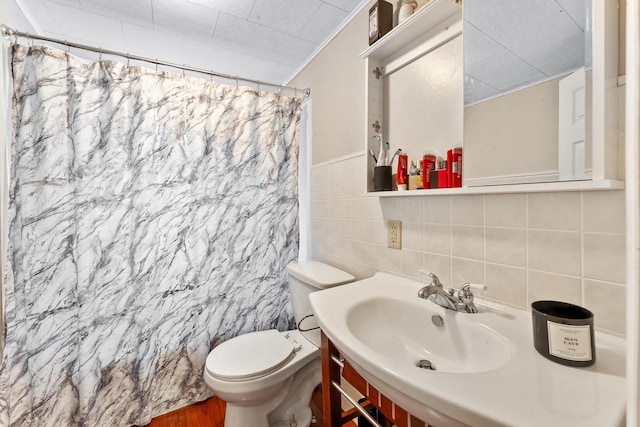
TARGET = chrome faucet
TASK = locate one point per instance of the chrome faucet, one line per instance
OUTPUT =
(448, 299)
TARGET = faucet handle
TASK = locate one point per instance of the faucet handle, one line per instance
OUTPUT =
(477, 287)
(464, 294)
(435, 281)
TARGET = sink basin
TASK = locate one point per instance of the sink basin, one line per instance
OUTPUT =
(487, 372)
(404, 331)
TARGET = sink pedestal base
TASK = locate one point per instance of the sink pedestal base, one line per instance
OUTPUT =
(390, 414)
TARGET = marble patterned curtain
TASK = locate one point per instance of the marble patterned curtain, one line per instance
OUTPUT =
(151, 216)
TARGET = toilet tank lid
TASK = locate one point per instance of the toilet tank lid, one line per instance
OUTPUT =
(319, 275)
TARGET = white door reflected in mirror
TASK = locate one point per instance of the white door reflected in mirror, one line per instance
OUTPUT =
(572, 127)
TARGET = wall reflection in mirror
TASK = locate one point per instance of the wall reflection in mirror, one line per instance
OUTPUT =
(526, 90)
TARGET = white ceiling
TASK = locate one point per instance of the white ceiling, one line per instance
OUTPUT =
(265, 40)
(512, 44)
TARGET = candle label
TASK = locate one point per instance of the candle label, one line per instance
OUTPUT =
(569, 342)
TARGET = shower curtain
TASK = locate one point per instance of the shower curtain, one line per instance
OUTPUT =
(151, 216)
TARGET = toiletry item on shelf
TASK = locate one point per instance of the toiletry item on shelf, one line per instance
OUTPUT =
(407, 7)
(454, 160)
(380, 20)
(403, 170)
(428, 164)
(443, 175)
(434, 173)
(415, 180)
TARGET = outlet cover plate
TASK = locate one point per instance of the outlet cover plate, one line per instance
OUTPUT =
(394, 234)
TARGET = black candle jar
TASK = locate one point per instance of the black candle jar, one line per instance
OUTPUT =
(563, 332)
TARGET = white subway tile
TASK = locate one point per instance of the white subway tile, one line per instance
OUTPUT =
(505, 246)
(505, 210)
(374, 255)
(549, 286)
(466, 270)
(554, 251)
(391, 209)
(604, 211)
(554, 211)
(358, 167)
(440, 265)
(608, 303)
(372, 209)
(467, 241)
(411, 263)
(411, 209)
(467, 210)
(356, 188)
(391, 260)
(437, 238)
(437, 210)
(506, 284)
(342, 189)
(358, 209)
(343, 169)
(362, 271)
(604, 257)
(369, 231)
(412, 235)
(359, 252)
(343, 248)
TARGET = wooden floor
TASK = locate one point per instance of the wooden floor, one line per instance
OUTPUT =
(210, 413)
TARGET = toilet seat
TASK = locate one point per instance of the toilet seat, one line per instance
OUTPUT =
(250, 356)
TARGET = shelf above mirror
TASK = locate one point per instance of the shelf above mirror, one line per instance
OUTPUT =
(427, 17)
(607, 184)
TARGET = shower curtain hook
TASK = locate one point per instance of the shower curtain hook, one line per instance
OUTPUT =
(100, 56)
(128, 59)
(236, 82)
(13, 38)
(68, 49)
(156, 66)
(258, 83)
(183, 70)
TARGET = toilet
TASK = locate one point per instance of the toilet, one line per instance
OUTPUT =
(267, 377)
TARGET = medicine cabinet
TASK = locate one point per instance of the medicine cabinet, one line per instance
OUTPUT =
(430, 107)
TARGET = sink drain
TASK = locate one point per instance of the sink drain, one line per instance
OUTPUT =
(426, 364)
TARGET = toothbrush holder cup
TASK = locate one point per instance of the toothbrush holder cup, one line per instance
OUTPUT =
(382, 178)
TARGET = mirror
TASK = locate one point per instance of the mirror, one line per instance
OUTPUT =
(527, 91)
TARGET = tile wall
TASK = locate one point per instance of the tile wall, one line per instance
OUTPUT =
(524, 247)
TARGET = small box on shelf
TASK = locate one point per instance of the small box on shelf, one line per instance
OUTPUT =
(380, 20)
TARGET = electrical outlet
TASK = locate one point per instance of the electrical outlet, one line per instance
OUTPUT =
(394, 237)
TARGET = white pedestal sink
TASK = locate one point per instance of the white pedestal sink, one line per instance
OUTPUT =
(404, 332)
(487, 372)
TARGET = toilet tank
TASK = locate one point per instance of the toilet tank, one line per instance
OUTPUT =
(304, 278)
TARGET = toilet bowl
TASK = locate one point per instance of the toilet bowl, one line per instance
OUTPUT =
(267, 377)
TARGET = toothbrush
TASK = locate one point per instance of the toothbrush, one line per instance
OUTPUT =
(373, 156)
(386, 153)
(381, 154)
(398, 151)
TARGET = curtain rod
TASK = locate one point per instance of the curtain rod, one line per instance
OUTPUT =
(10, 33)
